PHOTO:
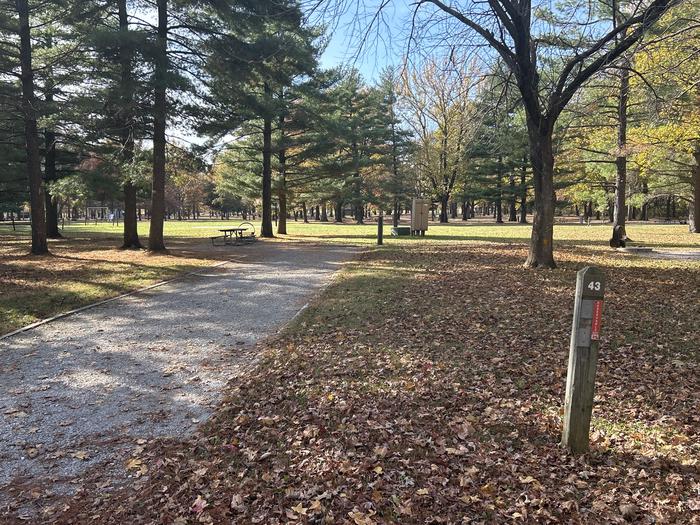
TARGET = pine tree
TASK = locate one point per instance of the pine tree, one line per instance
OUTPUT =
(398, 143)
(261, 53)
(31, 133)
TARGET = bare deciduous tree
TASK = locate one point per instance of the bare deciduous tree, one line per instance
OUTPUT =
(442, 116)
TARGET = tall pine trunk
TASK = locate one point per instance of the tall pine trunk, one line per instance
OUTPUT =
(512, 210)
(694, 207)
(126, 123)
(282, 186)
(266, 229)
(358, 206)
(31, 135)
(499, 192)
(523, 192)
(621, 159)
(338, 211)
(155, 236)
(541, 253)
(282, 198)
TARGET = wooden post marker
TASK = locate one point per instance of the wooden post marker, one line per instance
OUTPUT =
(583, 358)
(380, 229)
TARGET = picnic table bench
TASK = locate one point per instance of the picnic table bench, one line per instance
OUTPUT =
(233, 236)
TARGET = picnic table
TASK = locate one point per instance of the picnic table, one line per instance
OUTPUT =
(234, 235)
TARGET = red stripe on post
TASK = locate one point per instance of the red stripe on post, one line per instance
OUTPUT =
(597, 320)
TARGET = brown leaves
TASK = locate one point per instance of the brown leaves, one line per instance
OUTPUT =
(629, 512)
(237, 503)
(443, 404)
(136, 465)
(199, 505)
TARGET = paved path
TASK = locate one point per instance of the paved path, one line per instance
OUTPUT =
(675, 254)
(84, 390)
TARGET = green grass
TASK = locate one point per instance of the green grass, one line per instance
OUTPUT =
(86, 267)
(661, 235)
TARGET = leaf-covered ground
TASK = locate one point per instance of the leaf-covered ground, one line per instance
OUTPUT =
(425, 386)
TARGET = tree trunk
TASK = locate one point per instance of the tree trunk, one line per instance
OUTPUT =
(304, 212)
(358, 208)
(512, 210)
(694, 207)
(339, 211)
(131, 235)
(644, 212)
(444, 201)
(523, 192)
(266, 228)
(621, 159)
(282, 219)
(359, 212)
(499, 192)
(673, 207)
(155, 235)
(324, 212)
(31, 135)
(541, 253)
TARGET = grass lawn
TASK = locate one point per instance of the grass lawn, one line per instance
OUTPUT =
(86, 266)
(426, 384)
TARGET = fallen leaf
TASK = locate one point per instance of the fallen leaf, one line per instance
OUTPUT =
(237, 503)
(199, 505)
(629, 511)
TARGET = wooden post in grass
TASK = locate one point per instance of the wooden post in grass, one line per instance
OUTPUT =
(583, 358)
(380, 229)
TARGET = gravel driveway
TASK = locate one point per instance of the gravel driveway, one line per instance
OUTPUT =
(84, 390)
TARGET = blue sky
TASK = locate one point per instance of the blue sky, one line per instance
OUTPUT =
(385, 42)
